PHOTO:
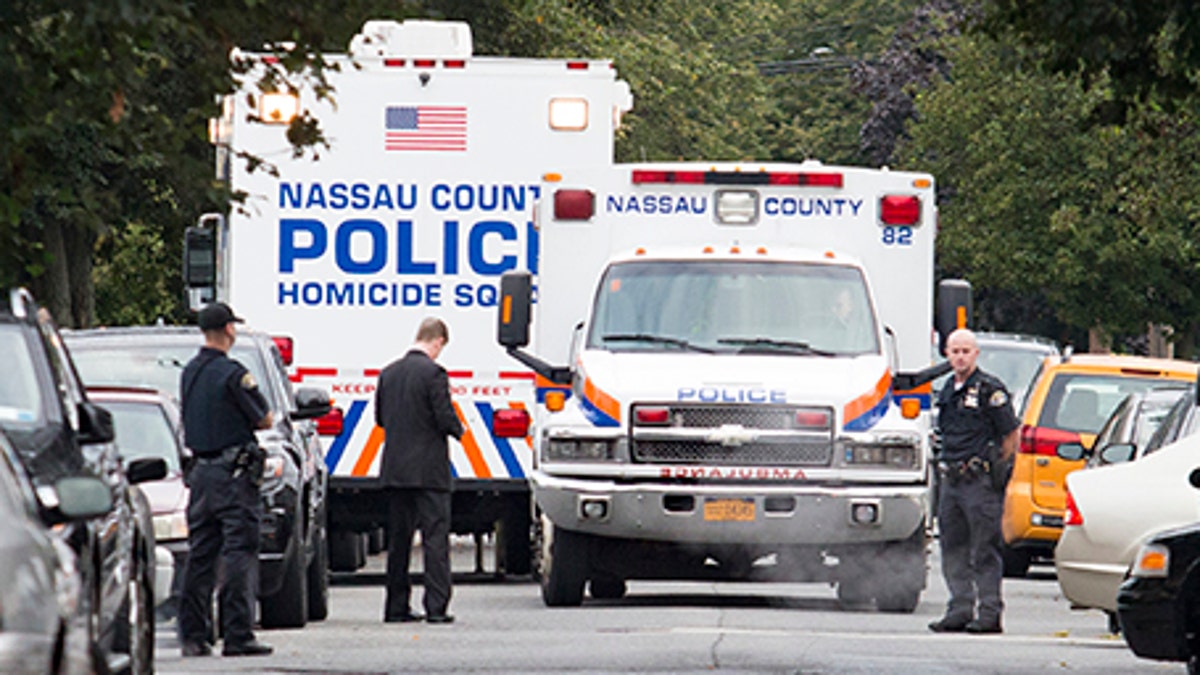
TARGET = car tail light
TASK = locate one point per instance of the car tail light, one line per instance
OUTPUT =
(574, 204)
(1072, 516)
(510, 423)
(652, 416)
(285, 346)
(331, 423)
(899, 209)
(1044, 441)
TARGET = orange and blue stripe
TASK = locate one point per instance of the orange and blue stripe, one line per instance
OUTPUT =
(864, 412)
(600, 408)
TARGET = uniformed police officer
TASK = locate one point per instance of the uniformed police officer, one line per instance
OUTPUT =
(975, 417)
(222, 407)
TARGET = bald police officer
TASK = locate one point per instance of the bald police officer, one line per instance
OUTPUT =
(222, 407)
(975, 417)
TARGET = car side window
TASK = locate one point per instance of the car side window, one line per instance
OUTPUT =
(279, 373)
(15, 497)
(69, 390)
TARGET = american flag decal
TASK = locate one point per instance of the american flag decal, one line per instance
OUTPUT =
(425, 127)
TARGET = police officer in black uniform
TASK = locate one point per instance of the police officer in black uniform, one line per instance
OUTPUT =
(222, 407)
(979, 438)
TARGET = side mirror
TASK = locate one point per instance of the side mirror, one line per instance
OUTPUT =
(77, 498)
(954, 309)
(516, 302)
(146, 469)
(199, 257)
(95, 424)
(311, 403)
(1072, 452)
(1116, 453)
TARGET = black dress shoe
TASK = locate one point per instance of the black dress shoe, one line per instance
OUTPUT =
(439, 618)
(984, 627)
(196, 649)
(403, 618)
(251, 648)
(949, 624)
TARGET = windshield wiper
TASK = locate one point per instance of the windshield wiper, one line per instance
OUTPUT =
(789, 345)
(660, 339)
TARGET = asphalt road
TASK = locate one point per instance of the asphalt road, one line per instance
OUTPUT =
(678, 627)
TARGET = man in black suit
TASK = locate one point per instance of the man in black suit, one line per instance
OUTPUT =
(412, 404)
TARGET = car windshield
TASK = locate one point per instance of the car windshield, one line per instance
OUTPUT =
(143, 430)
(20, 397)
(734, 307)
(150, 366)
(1082, 403)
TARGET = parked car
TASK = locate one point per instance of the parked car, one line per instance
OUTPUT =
(1068, 403)
(43, 626)
(148, 424)
(1127, 433)
(1180, 421)
(1112, 510)
(1159, 604)
(293, 555)
(59, 433)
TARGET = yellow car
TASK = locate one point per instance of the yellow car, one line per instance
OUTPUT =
(1069, 402)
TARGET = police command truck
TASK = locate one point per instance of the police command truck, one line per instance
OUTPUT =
(734, 363)
(418, 204)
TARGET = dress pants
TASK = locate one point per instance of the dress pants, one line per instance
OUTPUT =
(411, 509)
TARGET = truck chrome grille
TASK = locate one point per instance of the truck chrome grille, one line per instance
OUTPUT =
(727, 435)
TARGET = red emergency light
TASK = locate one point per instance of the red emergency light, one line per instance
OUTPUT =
(574, 204)
(394, 63)
(652, 416)
(900, 209)
(510, 423)
(424, 63)
(454, 63)
(331, 423)
(285, 346)
(577, 65)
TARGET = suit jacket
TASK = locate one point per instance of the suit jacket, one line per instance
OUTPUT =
(412, 404)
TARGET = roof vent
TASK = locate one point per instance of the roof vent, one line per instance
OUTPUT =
(443, 39)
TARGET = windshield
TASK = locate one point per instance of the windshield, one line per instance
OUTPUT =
(151, 366)
(734, 307)
(20, 397)
(1082, 403)
(144, 431)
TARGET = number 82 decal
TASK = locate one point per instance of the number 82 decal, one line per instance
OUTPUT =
(897, 236)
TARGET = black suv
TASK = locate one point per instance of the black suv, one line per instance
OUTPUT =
(293, 558)
(58, 433)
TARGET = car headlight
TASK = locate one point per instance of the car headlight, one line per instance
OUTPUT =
(568, 449)
(273, 466)
(169, 526)
(1152, 561)
(894, 453)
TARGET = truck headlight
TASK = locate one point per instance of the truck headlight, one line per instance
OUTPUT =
(170, 526)
(575, 449)
(891, 453)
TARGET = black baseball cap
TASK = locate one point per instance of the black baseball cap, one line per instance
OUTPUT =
(216, 315)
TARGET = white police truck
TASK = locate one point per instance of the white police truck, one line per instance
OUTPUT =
(420, 202)
(736, 361)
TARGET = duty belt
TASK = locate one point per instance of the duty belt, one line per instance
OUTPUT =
(965, 469)
(226, 456)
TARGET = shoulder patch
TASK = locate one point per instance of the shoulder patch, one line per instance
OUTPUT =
(248, 381)
(999, 398)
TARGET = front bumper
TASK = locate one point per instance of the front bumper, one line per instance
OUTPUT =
(1152, 620)
(1090, 574)
(792, 514)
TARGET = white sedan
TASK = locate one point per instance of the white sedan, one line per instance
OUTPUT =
(1112, 509)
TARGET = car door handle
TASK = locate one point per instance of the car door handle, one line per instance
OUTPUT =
(1042, 461)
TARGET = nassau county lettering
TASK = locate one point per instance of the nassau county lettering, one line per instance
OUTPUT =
(339, 196)
(732, 472)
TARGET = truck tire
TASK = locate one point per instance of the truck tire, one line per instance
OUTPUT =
(1016, 562)
(903, 566)
(345, 551)
(564, 566)
(607, 588)
(318, 578)
(515, 537)
(288, 608)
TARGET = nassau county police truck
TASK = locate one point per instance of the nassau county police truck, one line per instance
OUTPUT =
(735, 360)
(419, 204)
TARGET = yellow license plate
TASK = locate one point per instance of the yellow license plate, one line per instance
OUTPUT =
(741, 510)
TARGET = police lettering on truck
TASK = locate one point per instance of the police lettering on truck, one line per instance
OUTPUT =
(422, 200)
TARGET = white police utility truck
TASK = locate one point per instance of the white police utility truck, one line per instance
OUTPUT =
(420, 202)
(736, 361)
